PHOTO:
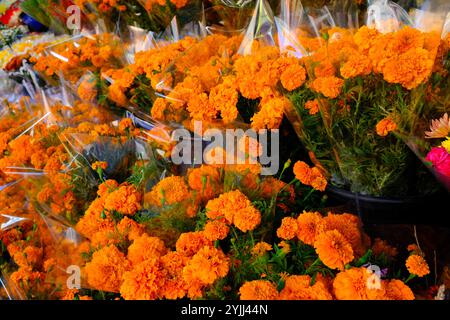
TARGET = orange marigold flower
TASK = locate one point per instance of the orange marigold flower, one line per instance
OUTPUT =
(298, 288)
(261, 248)
(258, 290)
(107, 187)
(352, 285)
(190, 243)
(206, 266)
(175, 287)
(417, 265)
(333, 249)
(126, 200)
(318, 181)
(288, 229)
(144, 282)
(310, 224)
(357, 65)
(312, 106)
(397, 290)
(236, 208)
(144, 248)
(349, 226)
(130, 228)
(293, 77)
(105, 270)
(99, 165)
(204, 180)
(330, 87)
(247, 218)
(168, 191)
(271, 114)
(125, 124)
(409, 69)
(216, 230)
(302, 172)
(385, 126)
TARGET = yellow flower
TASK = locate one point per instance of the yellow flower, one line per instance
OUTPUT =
(446, 144)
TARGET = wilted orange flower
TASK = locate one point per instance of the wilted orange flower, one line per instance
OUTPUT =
(288, 229)
(333, 249)
(216, 230)
(258, 290)
(285, 247)
(261, 248)
(206, 266)
(312, 106)
(298, 288)
(190, 243)
(330, 87)
(144, 248)
(126, 200)
(381, 246)
(144, 282)
(309, 226)
(385, 126)
(105, 270)
(99, 165)
(413, 248)
(417, 265)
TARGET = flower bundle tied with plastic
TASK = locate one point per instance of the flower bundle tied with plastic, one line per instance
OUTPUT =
(363, 88)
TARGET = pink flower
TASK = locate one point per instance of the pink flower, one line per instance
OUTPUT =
(440, 159)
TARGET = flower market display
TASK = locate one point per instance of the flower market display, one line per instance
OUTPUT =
(224, 150)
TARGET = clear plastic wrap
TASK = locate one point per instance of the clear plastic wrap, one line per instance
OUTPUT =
(386, 16)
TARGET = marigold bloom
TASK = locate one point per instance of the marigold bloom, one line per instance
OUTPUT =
(204, 180)
(413, 248)
(144, 282)
(312, 106)
(168, 191)
(175, 287)
(285, 247)
(206, 266)
(385, 126)
(261, 248)
(318, 181)
(302, 172)
(333, 249)
(417, 265)
(288, 229)
(310, 224)
(105, 270)
(258, 290)
(352, 285)
(107, 187)
(126, 200)
(144, 248)
(190, 243)
(347, 225)
(216, 230)
(236, 208)
(330, 87)
(293, 77)
(397, 290)
(299, 288)
(99, 165)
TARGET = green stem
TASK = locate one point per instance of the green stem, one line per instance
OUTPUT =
(312, 266)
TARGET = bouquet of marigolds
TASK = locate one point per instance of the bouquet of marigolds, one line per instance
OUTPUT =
(361, 90)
